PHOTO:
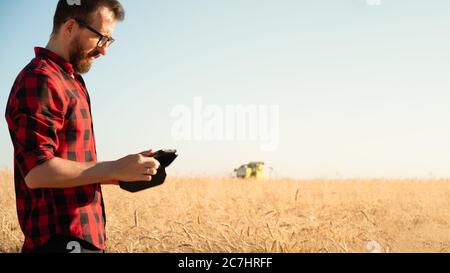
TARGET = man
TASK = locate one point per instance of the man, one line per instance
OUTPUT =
(56, 173)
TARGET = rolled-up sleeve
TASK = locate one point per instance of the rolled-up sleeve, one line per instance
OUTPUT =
(35, 114)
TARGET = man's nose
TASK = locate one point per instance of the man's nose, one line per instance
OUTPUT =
(103, 50)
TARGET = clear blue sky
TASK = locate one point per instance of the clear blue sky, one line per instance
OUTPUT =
(363, 90)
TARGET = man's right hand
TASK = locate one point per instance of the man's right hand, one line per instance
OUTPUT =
(135, 167)
(66, 173)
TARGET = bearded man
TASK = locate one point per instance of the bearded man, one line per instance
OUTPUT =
(56, 174)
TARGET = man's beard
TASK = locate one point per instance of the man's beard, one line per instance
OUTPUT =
(81, 59)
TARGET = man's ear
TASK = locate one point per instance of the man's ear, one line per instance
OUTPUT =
(68, 27)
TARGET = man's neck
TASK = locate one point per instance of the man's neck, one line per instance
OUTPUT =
(55, 47)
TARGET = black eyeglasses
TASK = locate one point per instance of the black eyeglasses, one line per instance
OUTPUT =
(103, 39)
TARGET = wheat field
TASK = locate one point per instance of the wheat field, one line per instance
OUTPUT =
(232, 215)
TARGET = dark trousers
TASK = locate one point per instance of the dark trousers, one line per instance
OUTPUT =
(66, 244)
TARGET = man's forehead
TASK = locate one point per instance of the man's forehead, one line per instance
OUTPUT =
(103, 19)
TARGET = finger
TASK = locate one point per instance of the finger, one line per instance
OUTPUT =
(150, 171)
(151, 163)
(145, 177)
(147, 153)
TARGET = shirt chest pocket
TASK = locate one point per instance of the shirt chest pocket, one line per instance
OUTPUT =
(77, 124)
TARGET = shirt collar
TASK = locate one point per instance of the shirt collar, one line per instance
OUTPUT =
(45, 53)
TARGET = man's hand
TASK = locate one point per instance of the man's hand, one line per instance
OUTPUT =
(135, 167)
(62, 173)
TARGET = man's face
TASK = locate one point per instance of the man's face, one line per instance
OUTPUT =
(83, 49)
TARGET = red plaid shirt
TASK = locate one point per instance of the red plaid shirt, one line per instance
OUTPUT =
(48, 115)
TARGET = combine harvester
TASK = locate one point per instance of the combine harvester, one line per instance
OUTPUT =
(251, 170)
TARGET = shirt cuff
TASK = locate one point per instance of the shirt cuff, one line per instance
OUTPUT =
(33, 159)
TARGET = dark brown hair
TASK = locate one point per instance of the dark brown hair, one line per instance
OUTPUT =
(83, 9)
